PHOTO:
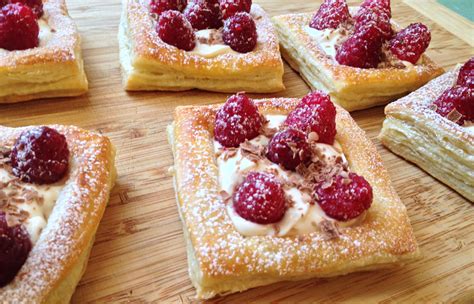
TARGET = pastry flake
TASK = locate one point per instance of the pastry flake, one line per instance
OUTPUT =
(53, 69)
(222, 260)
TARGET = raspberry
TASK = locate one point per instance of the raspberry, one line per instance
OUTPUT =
(237, 120)
(159, 6)
(41, 156)
(260, 199)
(410, 43)
(15, 245)
(370, 18)
(19, 28)
(345, 198)
(174, 29)
(231, 7)
(315, 113)
(457, 98)
(35, 5)
(204, 14)
(378, 6)
(240, 33)
(289, 148)
(466, 74)
(330, 15)
(363, 49)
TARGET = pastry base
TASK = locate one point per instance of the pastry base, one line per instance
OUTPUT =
(440, 147)
(221, 261)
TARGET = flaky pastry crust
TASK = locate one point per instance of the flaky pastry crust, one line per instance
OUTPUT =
(352, 88)
(54, 69)
(59, 258)
(223, 261)
(439, 146)
(150, 64)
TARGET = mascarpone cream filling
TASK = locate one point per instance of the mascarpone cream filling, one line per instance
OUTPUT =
(301, 217)
(327, 39)
(206, 46)
(36, 208)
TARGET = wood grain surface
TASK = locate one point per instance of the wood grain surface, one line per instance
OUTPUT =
(139, 254)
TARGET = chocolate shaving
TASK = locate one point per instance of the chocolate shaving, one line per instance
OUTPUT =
(329, 230)
(215, 37)
(229, 153)
(433, 107)
(268, 132)
(313, 137)
(225, 196)
(454, 115)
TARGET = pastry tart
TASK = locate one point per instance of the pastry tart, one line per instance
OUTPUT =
(351, 53)
(281, 190)
(433, 128)
(40, 58)
(54, 186)
(208, 55)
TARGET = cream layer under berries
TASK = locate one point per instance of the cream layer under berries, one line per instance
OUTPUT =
(286, 175)
(32, 174)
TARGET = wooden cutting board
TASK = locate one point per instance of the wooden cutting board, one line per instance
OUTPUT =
(139, 254)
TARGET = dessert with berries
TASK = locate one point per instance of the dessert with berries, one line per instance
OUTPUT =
(358, 55)
(218, 45)
(433, 127)
(40, 52)
(54, 185)
(282, 189)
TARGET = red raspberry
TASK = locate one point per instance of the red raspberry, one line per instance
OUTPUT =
(35, 5)
(15, 245)
(330, 15)
(41, 156)
(231, 7)
(174, 29)
(204, 14)
(378, 6)
(240, 33)
(370, 18)
(459, 98)
(363, 49)
(237, 120)
(410, 43)
(345, 198)
(19, 28)
(289, 148)
(466, 74)
(315, 113)
(159, 6)
(260, 199)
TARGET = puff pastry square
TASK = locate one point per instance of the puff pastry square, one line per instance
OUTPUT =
(150, 64)
(59, 258)
(222, 261)
(439, 146)
(53, 69)
(352, 88)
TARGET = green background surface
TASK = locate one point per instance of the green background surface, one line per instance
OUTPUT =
(463, 7)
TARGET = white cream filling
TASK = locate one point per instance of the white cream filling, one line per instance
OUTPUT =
(469, 129)
(38, 212)
(301, 217)
(209, 50)
(327, 39)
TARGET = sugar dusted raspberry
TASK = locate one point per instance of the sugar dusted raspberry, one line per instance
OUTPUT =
(159, 6)
(363, 49)
(289, 148)
(231, 7)
(35, 5)
(237, 120)
(19, 28)
(456, 104)
(330, 15)
(410, 43)
(174, 29)
(204, 14)
(378, 6)
(315, 113)
(344, 198)
(40, 155)
(240, 33)
(466, 74)
(15, 245)
(260, 199)
(370, 18)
